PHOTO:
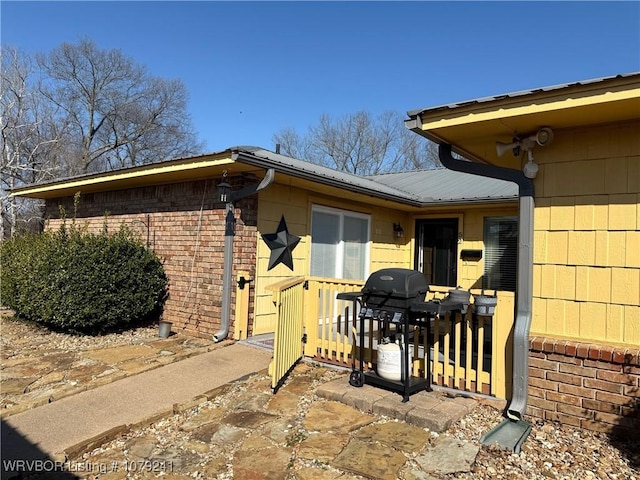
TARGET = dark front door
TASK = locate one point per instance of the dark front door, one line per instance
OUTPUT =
(437, 250)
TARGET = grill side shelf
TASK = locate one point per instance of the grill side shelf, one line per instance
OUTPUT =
(434, 307)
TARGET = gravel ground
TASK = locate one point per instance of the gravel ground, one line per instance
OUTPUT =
(551, 451)
(33, 340)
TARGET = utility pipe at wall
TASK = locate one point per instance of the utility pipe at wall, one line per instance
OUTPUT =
(229, 233)
(524, 285)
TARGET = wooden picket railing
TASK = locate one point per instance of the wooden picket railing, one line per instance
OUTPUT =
(329, 322)
(468, 352)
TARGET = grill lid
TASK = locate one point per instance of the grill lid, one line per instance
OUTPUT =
(401, 283)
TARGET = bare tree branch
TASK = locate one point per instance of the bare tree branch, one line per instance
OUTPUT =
(361, 144)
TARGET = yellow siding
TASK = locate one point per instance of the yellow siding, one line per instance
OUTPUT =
(632, 325)
(558, 247)
(623, 212)
(586, 273)
(632, 249)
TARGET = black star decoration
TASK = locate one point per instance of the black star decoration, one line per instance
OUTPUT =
(281, 244)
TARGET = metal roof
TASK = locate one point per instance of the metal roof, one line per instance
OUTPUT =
(445, 186)
(420, 188)
(328, 176)
(521, 93)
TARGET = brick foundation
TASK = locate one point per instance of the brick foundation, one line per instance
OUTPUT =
(596, 387)
(186, 228)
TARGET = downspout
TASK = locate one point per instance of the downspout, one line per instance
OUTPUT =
(524, 287)
(229, 233)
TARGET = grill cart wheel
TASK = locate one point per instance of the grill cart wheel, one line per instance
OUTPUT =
(356, 379)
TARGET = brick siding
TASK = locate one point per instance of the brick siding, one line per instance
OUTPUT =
(186, 228)
(596, 387)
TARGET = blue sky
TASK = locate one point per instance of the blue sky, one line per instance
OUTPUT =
(254, 68)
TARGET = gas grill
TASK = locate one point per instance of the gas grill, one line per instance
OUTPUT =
(396, 298)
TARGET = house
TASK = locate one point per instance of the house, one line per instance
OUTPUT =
(341, 227)
(563, 342)
(575, 148)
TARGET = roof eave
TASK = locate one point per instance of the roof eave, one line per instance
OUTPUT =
(473, 127)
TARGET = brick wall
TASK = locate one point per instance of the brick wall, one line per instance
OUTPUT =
(186, 230)
(596, 387)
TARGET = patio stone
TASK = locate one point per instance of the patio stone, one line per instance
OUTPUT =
(371, 460)
(271, 463)
(449, 455)
(176, 460)
(364, 398)
(48, 379)
(397, 435)
(245, 419)
(16, 386)
(322, 447)
(205, 433)
(137, 366)
(392, 406)
(318, 473)
(253, 401)
(298, 385)
(255, 441)
(335, 417)
(283, 402)
(228, 434)
(431, 418)
(279, 431)
(115, 355)
(84, 374)
(215, 466)
(203, 417)
(141, 448)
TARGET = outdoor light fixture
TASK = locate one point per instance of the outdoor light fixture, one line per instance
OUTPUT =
(224, 189)
(542, 137)
(530, 168)
(398, 231)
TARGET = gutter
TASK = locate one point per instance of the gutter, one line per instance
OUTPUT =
(229, 233)
(524, 288)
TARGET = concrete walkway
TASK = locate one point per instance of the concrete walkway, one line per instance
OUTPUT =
(55, 427)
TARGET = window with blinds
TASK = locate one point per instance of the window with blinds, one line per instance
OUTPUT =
(339, 243)
(500, 253)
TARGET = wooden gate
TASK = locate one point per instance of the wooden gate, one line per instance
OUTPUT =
(288, 297)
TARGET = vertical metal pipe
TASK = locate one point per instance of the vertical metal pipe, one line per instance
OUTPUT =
(227, 276)
(524, 301)
(524, 288)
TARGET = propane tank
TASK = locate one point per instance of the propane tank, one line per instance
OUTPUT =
(390, 359)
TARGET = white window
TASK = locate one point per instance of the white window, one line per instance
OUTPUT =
(339, 243)
(501, 253)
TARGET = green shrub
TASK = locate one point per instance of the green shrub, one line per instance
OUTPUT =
(78, 282)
